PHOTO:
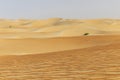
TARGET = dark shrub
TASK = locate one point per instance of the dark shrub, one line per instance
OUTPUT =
(86, 34)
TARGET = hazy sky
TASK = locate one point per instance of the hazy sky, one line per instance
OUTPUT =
(39, 9)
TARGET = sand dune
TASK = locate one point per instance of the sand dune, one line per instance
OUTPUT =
(60, 49)
(57, 27)
(95, 63)
(29, 46)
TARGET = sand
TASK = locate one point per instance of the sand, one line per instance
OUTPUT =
(57, 49)
(57, 27)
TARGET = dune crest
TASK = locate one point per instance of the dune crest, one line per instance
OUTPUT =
(45, 45)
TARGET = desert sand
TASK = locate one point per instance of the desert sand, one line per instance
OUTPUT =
(58, 49)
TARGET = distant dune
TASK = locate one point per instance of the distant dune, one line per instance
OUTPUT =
(57, 27)
(60, 49)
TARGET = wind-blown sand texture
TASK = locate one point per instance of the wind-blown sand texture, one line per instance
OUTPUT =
(57, 49)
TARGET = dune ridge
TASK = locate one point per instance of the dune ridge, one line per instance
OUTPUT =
(30, 46)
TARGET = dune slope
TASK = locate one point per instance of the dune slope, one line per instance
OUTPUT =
(95, 63)
(30, 46)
